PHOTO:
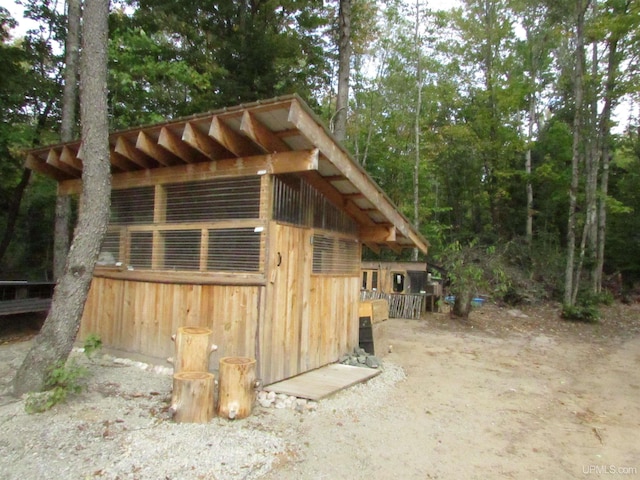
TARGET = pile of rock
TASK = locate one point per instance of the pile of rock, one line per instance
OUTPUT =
(281, 400)
(360, 358)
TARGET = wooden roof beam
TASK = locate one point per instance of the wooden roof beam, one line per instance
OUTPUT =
(203, 143)
(38, 165)
(121, 162)
(70, 157)
(124, 148)
(53, 159)
(275, 163)
(261, 135)
(334, 196)
(180, 149)
(147, 145)
(237, 144)
(302, 120)
(378, 234)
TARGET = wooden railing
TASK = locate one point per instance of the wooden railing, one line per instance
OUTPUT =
(25, 297)
(401, 305)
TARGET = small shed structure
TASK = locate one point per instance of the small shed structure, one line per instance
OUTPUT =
(248, 220)
(407, 286)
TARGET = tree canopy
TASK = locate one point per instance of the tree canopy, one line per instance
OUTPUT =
(465, 117)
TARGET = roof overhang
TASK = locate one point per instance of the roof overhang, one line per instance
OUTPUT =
(278, 135)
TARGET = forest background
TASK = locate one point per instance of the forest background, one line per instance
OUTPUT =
(504, 129)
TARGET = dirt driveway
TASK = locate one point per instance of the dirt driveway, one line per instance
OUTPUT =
(508, 394)
(505, 395)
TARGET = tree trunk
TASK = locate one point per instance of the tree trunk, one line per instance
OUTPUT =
(55, 340)
(592, 166)
(527, 161)
(237, 387)
(193, 348)
(192, 397)
(416, 164)
(613, 65)
(344, 66)
(576, 154)
(67, 132)
(462, 304)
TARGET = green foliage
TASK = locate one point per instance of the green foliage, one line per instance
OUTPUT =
(92, 345)
(587, 306)
(472, 269)
(63, 380)
(587, 313)
(172, 58)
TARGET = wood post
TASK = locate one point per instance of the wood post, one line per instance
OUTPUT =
(237, 387)
(193, 348)
(192, 397)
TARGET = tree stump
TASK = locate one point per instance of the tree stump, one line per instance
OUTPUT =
(192, 397)
(193, 348)
(236, 390)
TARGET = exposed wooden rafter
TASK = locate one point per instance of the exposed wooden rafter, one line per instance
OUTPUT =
(237, 144)
(124, 148)
(261, 135)
(275, 136)
(147, 145)
(180, 149)
(330, 149)
(204, 143)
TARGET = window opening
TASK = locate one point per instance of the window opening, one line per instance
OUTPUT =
(398, 282)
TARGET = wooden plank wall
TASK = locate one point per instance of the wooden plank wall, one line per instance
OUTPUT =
(333, 318)
(310, 320)
(286, 313)
(140, 317)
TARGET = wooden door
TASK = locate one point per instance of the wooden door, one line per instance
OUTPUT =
(284, 331)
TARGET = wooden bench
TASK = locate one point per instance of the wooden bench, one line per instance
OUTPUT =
(24, 305)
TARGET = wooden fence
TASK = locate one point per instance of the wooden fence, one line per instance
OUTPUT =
(401, 305)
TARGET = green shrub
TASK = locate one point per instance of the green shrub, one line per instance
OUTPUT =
(62, 381)
(588, 313)
(92, 344)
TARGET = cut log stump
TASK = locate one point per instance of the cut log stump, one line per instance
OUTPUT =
(192, 397)
(237, 387)
(193, 346)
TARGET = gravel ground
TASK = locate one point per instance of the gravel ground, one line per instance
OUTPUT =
(119, 428)
(509, 394)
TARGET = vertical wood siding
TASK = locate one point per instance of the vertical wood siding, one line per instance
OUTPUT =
(140, 317)
(310, 320)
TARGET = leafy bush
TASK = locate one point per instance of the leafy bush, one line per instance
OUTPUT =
(588, 313)
(62, 381)
(92, 345)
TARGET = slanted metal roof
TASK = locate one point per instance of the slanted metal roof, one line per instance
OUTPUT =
(273, 129)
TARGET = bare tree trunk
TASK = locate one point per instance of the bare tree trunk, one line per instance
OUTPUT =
(592, 165)
(344, 66)
(55, 340)
(578, 77)
(613, 65)
(527, 168)
(72, 55)
(67, 132)
(416, 164)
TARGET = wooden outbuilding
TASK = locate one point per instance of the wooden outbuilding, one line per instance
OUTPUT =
(407, 286)
(249, 221)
